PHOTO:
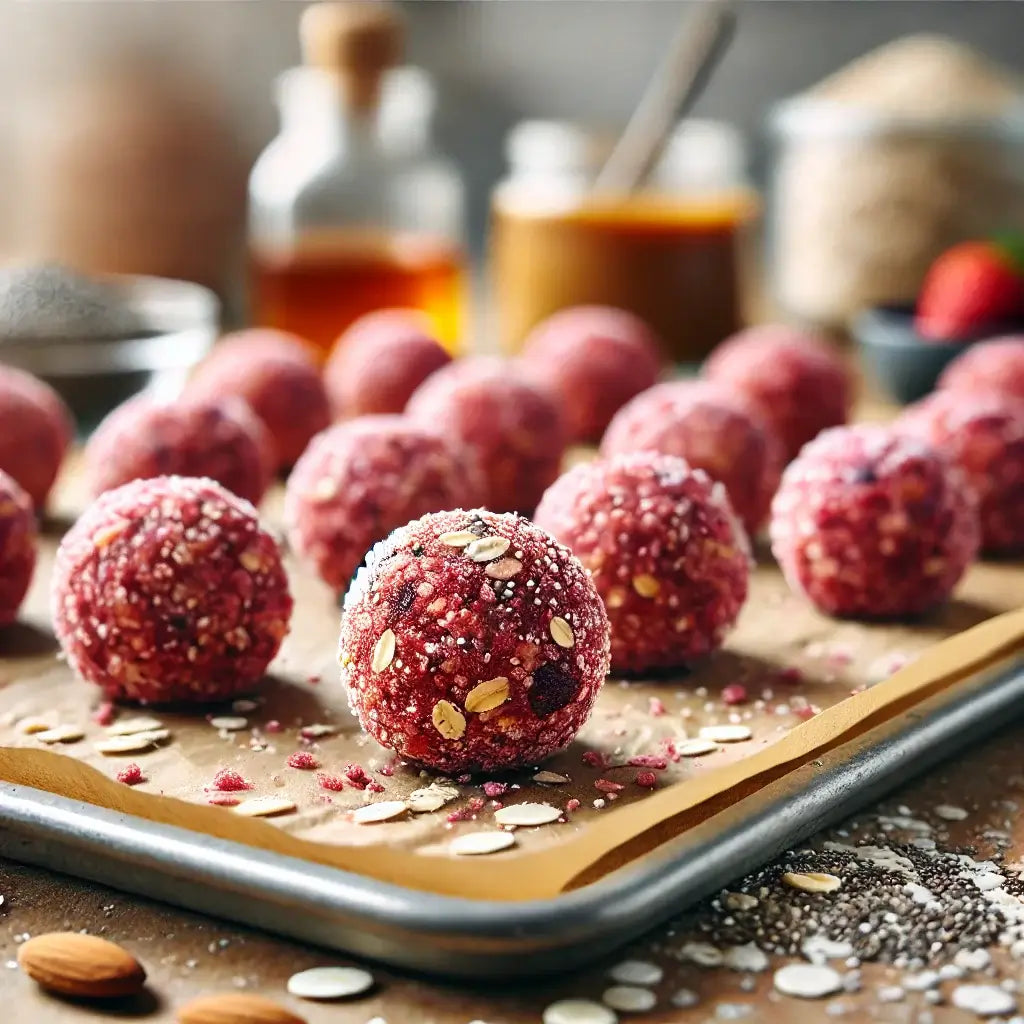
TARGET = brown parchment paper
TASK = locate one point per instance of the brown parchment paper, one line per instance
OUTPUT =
(784, 654)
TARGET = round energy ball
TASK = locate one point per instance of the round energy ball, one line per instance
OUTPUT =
(668, 555)
(35, 431)
(380, 361)
(514, 429)
(473, 642)
(17, 546)
(220, 439)
(995, 366)
(871, 523)
(701, 423)
(169, 590)
(594, 359)
(275, 374)
(361, 479)
(793, 379)
(984, 435)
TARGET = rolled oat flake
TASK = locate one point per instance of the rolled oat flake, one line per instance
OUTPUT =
(636, 972)
(578, 1011)
(629, 998)
(984, 1000)
(330, 983)
(807, 981)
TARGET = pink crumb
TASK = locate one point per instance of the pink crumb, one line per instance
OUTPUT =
(223, 800)
(387, 770)
(375, 787)
(734, 693)
(791, 675)
(806, 712)
(303, 759)
(648, 761)
(104, 714)
(273, 726)
(671, 750)
(495, 789)
(595, 759)
(331, 782)
(656, 708)
(646, 779)
(131, 775)
(229, 781)
(356, 774)
(572, 805)
(607, 786)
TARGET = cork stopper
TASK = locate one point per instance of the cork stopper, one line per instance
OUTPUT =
(358, 40)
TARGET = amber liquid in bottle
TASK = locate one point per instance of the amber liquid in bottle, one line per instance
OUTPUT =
(319, 287)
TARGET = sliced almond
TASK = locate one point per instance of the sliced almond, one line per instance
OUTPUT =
(383, 651)
(812, 881)
(229, 723)
(133, 744)
(235, 1008)
(527, 815)
(264, 806)
(477, 844)
(385, 810)
(79, 965)
(551, 778)
(646, 585)
(317, 730)
(126, 726)
(330, 983)
(458, 538)
(725, 733)
(448, 720)
(60, 734)
(695, 748)
(488, 695)
(486, 549)
(28, 726)
(561, 632)
(504, 569)
(432, 798)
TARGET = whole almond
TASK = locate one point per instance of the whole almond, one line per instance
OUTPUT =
(81, 965)
(235, 1008)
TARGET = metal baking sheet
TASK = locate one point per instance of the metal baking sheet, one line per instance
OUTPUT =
(469, 938)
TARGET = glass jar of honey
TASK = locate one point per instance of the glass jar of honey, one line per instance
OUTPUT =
(351, 209)
(673, 253)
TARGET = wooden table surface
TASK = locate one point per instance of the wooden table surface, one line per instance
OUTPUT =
(186, 954)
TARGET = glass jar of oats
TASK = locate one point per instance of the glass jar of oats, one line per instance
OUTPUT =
(881, 167)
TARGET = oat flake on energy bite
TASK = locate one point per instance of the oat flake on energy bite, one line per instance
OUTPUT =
(461, 671)
(168, 589)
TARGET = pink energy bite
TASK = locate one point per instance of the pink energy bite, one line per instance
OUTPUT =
(275, 374)
(995, 366)
(701, 423)
(169, 590)
(870, 523)
(514, 429)
(984, 435)
(380, 361)
(35, 431)
(594, 359)
(220, 439)
(473, 642)
(363, 478)
(17, 546)
(793, 379)
(668, 556)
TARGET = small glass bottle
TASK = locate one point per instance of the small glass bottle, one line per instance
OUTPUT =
(350, 207)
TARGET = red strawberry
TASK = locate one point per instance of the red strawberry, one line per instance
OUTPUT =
(969, 288)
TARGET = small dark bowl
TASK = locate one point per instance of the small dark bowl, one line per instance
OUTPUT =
(903, 363)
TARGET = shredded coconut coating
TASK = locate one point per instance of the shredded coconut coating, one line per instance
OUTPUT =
(473, 642)
(701, 423)
(217, 438)
(594, 359)
(169, 590)
(798, 384)
(871, 523)
(17, 546)
(995, 366)
(668, 555)
(380, 361)
(363, 478)
(984, 435)
(275, 374)
(515, 429)
(35, 431)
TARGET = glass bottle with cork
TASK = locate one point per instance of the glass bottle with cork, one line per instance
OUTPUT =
(351, 208)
